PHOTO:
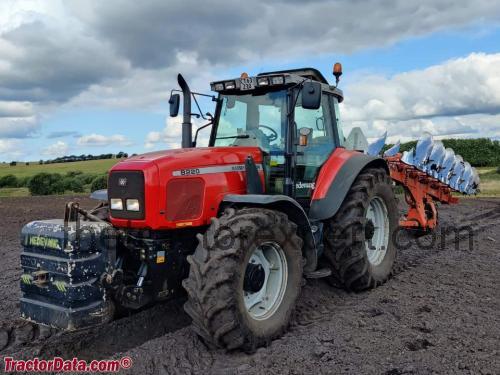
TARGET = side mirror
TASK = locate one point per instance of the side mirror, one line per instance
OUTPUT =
(174, 101)
(311, 95)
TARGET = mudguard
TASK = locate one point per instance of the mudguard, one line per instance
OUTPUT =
(282, 203)
(289, 206)
(336, 178)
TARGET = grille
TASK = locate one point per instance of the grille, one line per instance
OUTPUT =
(184, 198)
(127, 185)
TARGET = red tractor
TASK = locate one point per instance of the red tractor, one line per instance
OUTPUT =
(274, 198)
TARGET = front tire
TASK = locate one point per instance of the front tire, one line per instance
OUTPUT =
(358, 239)
(245, 277)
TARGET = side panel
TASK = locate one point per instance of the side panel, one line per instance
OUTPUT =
(335, 179)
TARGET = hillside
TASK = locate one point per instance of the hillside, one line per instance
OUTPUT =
(91, 166)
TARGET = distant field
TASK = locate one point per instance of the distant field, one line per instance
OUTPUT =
(91, 166)
(14, 192)
(490, 182)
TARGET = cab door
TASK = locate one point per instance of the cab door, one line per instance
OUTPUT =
(322, 140)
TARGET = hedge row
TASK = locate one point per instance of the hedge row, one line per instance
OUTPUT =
(55, 183)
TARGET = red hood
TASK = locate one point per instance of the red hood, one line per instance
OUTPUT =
(192, 157)
(161, 168)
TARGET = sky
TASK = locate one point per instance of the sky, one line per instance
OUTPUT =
(91, 77)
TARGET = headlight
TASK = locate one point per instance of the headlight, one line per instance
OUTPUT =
(133, 205)
(278, 80)
(230, 85)
(116, 204)
(263, 81)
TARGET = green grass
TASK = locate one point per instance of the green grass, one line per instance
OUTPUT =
(22, 170)
(91, 166)
(490, 182)
(14, 192)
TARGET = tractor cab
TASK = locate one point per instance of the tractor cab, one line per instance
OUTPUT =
(291, 116)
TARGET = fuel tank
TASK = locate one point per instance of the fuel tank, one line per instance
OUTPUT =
(177, 188)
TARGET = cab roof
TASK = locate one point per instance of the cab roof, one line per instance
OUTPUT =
(310, 73)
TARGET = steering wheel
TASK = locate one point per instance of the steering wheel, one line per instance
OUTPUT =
(271, 137)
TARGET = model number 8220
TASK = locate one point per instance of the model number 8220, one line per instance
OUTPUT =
(189, 172)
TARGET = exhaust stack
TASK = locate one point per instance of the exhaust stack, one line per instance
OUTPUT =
(187, 126)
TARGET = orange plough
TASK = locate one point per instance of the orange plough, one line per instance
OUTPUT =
(421, 194)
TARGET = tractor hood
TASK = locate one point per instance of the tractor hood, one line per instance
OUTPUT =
(181, 187)
(186, 158)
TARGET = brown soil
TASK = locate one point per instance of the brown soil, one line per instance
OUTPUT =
(438, 314)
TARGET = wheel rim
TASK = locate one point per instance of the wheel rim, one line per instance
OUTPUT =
(262, 303)
(378, 241)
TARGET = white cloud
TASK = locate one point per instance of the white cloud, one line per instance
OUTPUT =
(170, 137)
(16, 109)
(436, 99)
(10, 149)
(99, 140)
(18, 127)
(59, 148)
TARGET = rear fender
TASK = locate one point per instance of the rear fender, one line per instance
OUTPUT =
(336, 178)
(284, 204)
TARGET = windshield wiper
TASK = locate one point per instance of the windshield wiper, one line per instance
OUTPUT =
(239, 136)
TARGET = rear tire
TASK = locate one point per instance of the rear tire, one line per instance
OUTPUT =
(243, 257)
(358, 239)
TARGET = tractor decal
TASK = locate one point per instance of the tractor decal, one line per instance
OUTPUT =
(210, 170)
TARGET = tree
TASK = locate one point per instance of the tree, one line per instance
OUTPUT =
(8, 181)
(99, 183)
(46, 184)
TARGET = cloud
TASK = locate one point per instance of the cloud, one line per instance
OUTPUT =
(46, 57)
(62, 134)
(57, 149)
(55, 51)
(457, 87)
(10, 149)
(18, 127)
(15, 109)
(436, 99)
(47, 63)
(143, 88)
(115, 54)
(98, 140)
(150, 34)
(170, 137)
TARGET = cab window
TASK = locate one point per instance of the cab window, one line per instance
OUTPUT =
(320, 144)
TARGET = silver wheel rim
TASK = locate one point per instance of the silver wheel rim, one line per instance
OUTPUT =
(264, 303)
(376, 247)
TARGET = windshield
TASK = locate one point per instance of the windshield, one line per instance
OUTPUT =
(253, 120)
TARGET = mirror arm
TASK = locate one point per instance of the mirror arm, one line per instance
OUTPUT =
(199, 109)
(299, 85)
(202, 127)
